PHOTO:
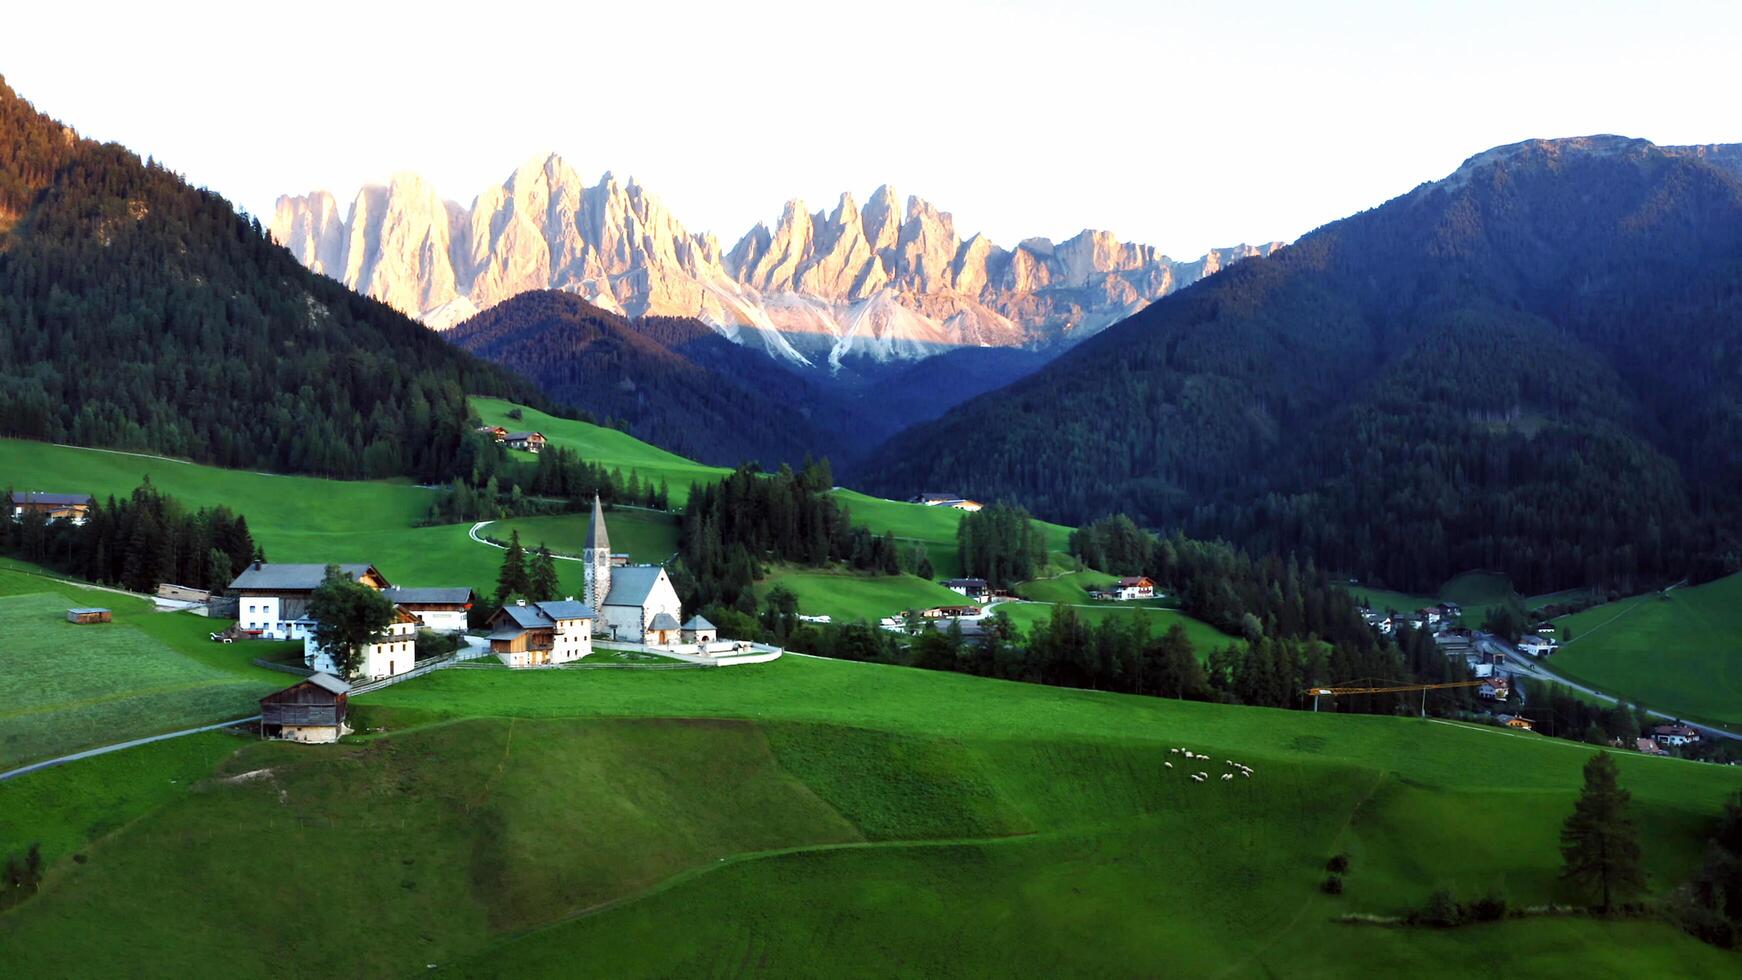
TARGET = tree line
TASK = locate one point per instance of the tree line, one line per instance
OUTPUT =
(138, 542)
(731, 529)
(145, 314)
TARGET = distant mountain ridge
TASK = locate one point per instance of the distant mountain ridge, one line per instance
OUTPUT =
(680, 384)
(886, 281)
(1533, 364)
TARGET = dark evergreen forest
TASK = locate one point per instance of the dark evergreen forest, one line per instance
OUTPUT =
(138, 542)
(1534, 366)
(674, 382)
(142, 313)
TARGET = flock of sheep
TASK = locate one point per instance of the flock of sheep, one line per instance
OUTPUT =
(1198, 777)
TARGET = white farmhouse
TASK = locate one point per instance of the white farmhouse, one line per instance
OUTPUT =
(272, 597)
(635, 603)
(393, 654)
(539, 634)
(441, 610)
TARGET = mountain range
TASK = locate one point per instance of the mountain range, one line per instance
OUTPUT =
(889, 280)
(1533, 365)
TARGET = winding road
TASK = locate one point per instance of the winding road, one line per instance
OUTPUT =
(1530, 667)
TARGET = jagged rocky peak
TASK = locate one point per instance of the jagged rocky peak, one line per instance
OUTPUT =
(887, 279)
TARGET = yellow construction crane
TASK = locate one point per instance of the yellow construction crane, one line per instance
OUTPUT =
(1389, 689)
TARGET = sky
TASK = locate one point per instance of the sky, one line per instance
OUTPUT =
(1182, 125)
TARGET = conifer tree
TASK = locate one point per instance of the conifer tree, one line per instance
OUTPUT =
(1599, 841)
(512, 580)
(541, 580)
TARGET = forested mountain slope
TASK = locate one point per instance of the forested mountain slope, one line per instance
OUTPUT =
(671, 381)
(141, 313)
(1534, 365)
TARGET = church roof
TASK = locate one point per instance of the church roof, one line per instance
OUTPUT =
(663, 621)
(698, 623)
(596, 536)
(632, 584)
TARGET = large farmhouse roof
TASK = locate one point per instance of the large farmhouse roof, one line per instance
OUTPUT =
(566, 609)
(270, 576)
(431, 596)
(50, 499)
(632, 584)
(538, 614)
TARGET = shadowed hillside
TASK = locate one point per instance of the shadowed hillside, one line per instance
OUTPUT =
(1534, 365)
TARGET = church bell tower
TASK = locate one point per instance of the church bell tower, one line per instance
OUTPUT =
(597, 556)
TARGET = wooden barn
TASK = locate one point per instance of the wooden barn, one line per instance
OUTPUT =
(87, 616)
(310, 711)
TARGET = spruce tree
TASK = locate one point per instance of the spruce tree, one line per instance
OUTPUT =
(1599, 841)
(512, 579)
(541, 580)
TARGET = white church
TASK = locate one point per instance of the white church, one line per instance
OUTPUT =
(631, 603)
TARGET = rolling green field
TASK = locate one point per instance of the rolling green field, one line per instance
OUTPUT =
(935, 527)
(71, 687)
(1678, 651)
(294, 518)
(847, 596)
(648, 537)
(607, 447)
(1157, 620)
(827, 818)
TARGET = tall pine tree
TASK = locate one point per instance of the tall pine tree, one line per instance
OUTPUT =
(512, 580)
(1599, 841)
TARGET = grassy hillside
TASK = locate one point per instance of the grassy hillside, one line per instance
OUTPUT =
(294, 518)
(935, 527)
(848, 596)
(70, 687)
(1678, 651)
(607, 447)
(833, 818)
(1156, 619)
(647, 536)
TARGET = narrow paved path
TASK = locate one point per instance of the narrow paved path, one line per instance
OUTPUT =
(473, 534)
(118, 746)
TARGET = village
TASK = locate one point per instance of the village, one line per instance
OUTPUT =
(633, 609)
(628, 609)
(1498, 667)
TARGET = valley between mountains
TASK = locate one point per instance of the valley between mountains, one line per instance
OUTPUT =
(539, 587)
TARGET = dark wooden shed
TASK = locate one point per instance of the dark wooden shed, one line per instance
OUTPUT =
(312, 710)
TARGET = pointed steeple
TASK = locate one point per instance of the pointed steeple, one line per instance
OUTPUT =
(596, 536)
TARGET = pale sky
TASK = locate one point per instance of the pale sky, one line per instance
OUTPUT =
(1183, 125)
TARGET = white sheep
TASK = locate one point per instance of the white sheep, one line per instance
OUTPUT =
(1174, 751)
(1197, 778)
(1247, 774)
(1227, 776)
(1168, 764)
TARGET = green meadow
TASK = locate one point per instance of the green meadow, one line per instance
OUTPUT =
(608, 447)
(1678, 651)
(70, 687)
(1156, 620)
(934, 527)
(847, 596)
(829, 818)
(647, 536)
